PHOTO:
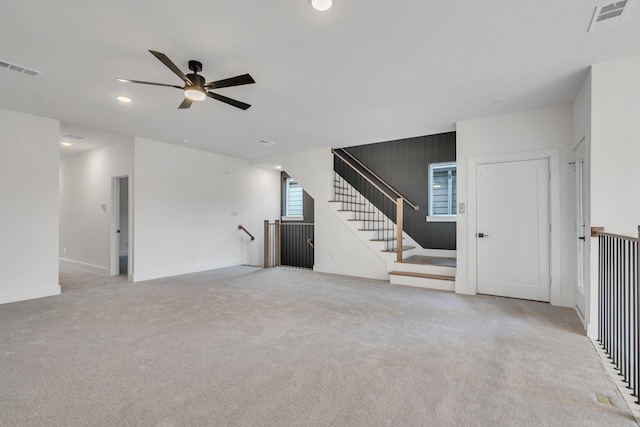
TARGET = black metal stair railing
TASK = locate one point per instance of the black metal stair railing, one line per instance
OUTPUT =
(618, 302)
(288, 244)
(295, 249)
(373, 202)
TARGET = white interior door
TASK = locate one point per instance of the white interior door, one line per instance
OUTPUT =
(513, 229)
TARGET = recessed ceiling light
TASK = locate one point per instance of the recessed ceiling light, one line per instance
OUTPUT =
(72, 136)
(265, 142)
(124, 80)
(123, 98)
(321, 5)
(278, 167)
(66, 144)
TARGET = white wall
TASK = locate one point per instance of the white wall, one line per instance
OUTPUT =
(184, 200)
(85, 184)
(29, 192)
(546, 131)
(615, 146)
(337, 249)
(614, 154)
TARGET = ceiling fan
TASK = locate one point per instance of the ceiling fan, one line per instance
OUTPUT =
(195, 88)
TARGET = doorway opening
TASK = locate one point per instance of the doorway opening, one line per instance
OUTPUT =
(581, 230)
(120, 248)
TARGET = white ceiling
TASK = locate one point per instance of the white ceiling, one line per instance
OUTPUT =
(363, 72)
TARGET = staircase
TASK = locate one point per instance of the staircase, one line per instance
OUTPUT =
(379, 232)
(431, 272)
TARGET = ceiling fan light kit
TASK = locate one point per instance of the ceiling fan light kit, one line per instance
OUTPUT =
(195, 94)
(195, 88)
(321, 5)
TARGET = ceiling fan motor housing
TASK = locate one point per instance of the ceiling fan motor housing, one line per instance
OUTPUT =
(197, 80)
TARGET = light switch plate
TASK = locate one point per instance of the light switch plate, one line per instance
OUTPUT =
(461, 207)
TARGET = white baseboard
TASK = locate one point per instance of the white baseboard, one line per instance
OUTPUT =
(104, 271)
(592, 331)
(377, 275)
(180, 270)
(563, 301)
(23, 294)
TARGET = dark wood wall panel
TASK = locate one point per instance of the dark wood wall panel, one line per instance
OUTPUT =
(404, 164)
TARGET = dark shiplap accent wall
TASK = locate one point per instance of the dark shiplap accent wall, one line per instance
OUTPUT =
(404, 164)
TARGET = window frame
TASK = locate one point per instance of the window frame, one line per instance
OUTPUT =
(287, 216)
(431, 217)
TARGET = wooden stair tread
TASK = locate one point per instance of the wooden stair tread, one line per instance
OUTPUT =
(365, 220)
(423, 275)
(388, 239)
(351, 210)
(376, 229)
(404, 248)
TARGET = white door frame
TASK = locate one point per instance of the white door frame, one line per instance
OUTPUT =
(581, 230)
(553, 156)
(114, 267)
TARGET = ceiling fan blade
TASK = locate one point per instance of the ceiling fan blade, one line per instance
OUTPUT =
(166, 61)
(147, 83)
(244, 79)
(185, 104)
(229, 101)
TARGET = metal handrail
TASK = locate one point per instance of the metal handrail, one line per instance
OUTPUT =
(240, 227)
(396, 192)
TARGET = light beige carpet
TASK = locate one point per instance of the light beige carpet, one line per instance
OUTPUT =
(250, 347)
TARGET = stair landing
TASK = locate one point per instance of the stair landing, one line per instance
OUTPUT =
(425, 272)
(430, 260)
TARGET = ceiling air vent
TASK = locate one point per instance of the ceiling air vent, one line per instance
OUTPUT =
(266, 142)
(19, 68)
(609, 15)
(72, 136)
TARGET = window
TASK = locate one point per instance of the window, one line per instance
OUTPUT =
(442, 189)
(293, 199)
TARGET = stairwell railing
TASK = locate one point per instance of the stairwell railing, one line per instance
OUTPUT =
(359, 188)
(618, 302)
